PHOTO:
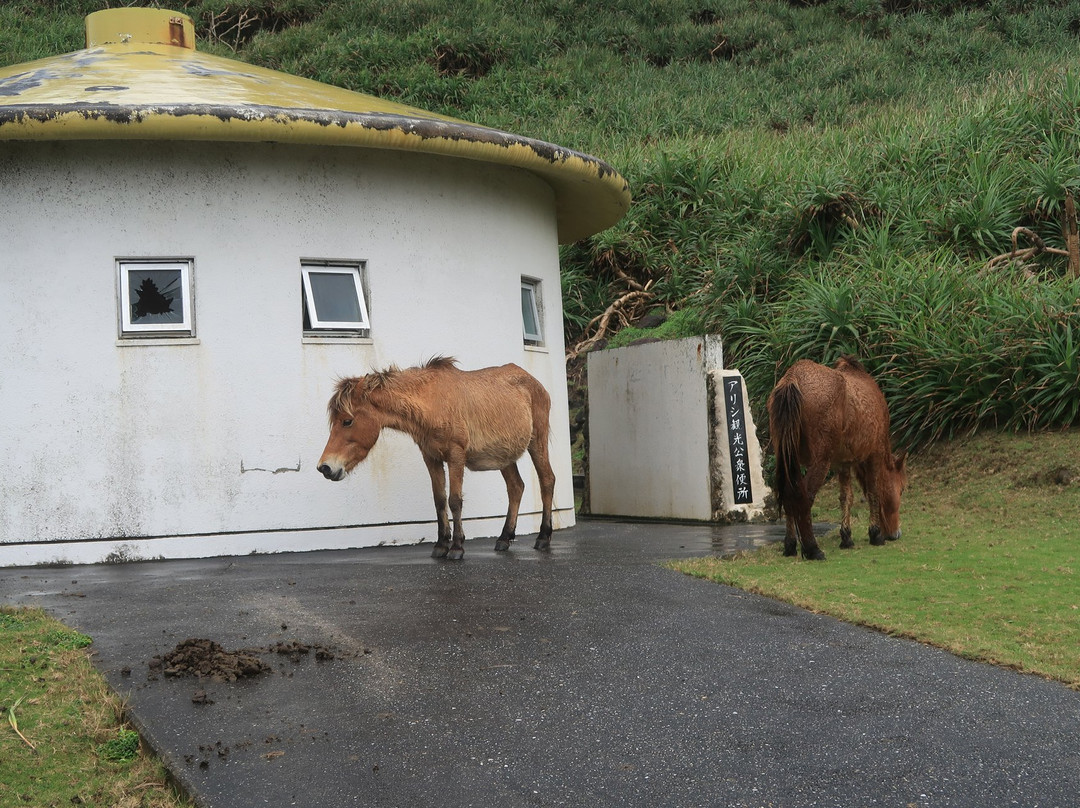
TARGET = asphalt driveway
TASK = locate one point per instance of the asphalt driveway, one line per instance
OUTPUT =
(587, 677)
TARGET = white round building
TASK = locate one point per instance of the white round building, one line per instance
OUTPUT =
(195, 249)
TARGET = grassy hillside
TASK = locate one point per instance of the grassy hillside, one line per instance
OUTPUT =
(811, 177)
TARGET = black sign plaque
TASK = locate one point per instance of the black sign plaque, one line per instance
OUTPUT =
(736, 429)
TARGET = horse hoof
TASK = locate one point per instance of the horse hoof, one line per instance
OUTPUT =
(542, 544)
(455, 554)
(502, 545)
(816, 555)
(439, 551)
(845, 539)
(790, 551)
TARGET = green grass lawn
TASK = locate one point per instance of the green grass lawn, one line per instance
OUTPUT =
(986, 567)
(63, 740)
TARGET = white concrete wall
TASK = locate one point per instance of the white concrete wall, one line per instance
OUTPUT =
(649, 429)
(663, 444)
(209, 448)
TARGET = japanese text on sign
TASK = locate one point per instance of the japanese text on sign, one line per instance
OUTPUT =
(736, 429)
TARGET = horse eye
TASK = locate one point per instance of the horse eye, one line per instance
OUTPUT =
(347, 422)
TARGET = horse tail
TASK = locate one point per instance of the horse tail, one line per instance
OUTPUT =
(785, 418)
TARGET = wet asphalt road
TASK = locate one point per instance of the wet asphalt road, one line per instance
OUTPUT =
(588, 677)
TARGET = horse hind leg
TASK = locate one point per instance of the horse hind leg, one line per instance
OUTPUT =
(846, 498)
(538, 451)
(811, 483)
(794, 505)
(791, 541)
(515, 487)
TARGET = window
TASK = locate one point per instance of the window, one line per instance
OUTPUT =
(155, 297)
(530, 312)
(334, 297)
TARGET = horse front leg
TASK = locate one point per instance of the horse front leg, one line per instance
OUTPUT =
(457, 479)
(438, 491)
(515, 487)
(846, 497)
(865, 473)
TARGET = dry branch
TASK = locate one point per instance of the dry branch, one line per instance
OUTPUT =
(1022, 256)
(622, 309)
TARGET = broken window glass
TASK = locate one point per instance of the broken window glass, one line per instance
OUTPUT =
(155, 298)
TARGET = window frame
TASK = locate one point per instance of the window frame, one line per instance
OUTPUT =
(532, 286)
(129, 330)
(313, 325)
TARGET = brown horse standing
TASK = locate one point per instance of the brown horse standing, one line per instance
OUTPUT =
(480, 419)
(823, 418)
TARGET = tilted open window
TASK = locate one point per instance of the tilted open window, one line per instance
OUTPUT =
(155, 297)
(334, 299)
(530, 312)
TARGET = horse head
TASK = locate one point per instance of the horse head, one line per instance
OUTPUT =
(354, 428)
(892, 479)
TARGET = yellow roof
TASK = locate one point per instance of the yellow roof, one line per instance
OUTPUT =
(141, 78)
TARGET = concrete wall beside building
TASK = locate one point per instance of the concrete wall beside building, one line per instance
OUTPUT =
(671, 435)
(207, 445)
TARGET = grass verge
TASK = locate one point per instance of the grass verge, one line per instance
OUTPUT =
(986, 566)
(63, 740)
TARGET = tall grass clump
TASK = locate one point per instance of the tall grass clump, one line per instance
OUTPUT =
(953, 352)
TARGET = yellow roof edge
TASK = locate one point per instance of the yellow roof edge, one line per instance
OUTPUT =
(590, 195)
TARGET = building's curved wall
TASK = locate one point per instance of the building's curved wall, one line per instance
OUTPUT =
(181, 450)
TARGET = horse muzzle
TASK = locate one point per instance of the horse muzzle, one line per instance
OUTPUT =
(331, 473)
(877, 537)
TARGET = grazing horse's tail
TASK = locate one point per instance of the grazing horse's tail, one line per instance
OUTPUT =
(785, 417)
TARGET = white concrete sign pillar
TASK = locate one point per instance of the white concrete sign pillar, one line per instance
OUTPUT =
(738, 484)
(671, 435)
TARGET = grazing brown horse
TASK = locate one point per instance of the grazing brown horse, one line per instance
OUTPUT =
(480, 419)
(824, 418)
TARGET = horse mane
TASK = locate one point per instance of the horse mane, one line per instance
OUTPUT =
(440, 362)
(394, 377)
(389, 379)
(341, 401)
